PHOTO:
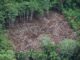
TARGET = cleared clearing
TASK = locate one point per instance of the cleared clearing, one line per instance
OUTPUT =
(25, 36)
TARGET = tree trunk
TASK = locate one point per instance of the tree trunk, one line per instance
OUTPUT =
(27, 15)
(24, 17)
(31, 16)
(47, 12)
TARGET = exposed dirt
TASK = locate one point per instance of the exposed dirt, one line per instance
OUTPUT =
(26, 36)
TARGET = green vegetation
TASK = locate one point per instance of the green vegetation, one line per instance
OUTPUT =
(11, 9)
(4, 43)
(7, 55)
(73, 18)
(6, 50)
(66, 50)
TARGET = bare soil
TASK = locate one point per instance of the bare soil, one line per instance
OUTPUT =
(25, 36)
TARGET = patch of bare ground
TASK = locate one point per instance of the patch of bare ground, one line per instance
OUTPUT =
(26, 36)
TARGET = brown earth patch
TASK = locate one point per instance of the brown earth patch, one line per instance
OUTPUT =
(26, 36)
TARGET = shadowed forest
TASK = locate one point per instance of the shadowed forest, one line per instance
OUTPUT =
(39, 30)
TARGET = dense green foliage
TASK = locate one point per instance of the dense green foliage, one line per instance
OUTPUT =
(11, 9)
(4, 43)
(73, 18)
(67, 48)
(7, 55)
(6, 50)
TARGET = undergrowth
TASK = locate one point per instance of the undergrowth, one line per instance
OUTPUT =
(73, 18)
